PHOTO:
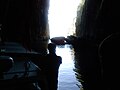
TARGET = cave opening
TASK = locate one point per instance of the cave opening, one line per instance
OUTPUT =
(62, 16)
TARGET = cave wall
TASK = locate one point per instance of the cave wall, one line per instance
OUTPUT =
(25, 21)
(85, 25)
(99, 19)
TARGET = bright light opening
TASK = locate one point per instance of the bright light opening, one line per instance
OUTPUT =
(62, 17)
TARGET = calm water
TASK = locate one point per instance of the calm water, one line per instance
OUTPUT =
(67, 78)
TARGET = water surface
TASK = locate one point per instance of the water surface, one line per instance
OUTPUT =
(67, 79)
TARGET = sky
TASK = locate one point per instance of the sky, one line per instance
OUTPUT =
(61, 15)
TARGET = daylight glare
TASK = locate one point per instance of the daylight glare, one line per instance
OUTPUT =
(62, 15)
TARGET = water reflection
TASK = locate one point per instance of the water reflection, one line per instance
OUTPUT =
(68, 76)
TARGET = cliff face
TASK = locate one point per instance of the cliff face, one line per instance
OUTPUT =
(24, 21)
(98, 19)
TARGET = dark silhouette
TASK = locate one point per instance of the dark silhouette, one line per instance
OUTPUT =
(53, 62)
(109, 52)
(50, 69)
(87, 63)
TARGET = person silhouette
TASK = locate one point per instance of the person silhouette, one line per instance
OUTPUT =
(50, 69)
(53, 64)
